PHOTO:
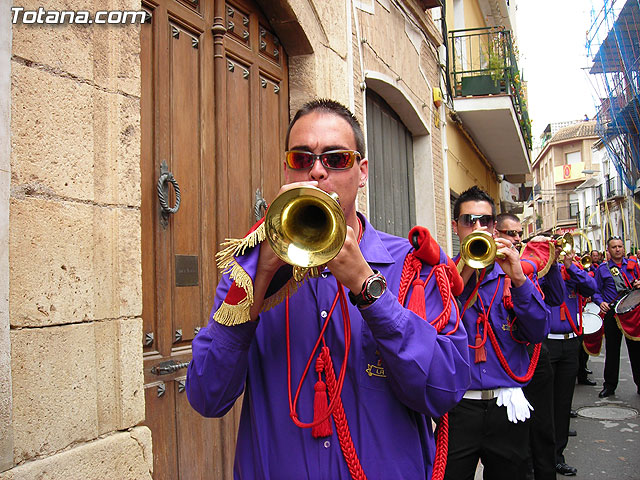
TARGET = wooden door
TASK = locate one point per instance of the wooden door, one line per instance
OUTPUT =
(214, 109)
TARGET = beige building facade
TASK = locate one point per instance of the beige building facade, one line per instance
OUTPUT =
(564, 163)
(72, 380)
(487, 126)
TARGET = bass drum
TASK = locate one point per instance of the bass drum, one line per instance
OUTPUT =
(591, 320)
(628, 314)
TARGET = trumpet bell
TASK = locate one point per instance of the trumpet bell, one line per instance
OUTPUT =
(586, 261)
(478, 249)
(566, 242)
(305, 227)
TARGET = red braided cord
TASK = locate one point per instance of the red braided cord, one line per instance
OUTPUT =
(496, 347)
(340, 419)
(294, 402)
(503, 361)
(442, 279)
(334, 386)
(411, 269)
(576, 330)
(442, 448)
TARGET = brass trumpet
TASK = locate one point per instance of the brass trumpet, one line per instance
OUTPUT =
(306, 228)
(565, 242)
(586, 261)
(479, 250)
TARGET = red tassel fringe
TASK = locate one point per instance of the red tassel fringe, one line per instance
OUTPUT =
(417, 302)
(481, 352)
(320, 409)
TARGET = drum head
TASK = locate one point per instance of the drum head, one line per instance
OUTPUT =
(591, 322)
(629, 302)
(591, 308)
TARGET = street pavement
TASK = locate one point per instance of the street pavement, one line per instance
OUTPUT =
(607, 447)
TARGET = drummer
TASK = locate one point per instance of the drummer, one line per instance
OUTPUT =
(614, 278)
(563, 345)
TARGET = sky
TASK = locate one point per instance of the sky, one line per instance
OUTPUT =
(551, 38)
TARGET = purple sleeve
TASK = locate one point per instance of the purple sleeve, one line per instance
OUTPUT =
(553, 287)
(225, 351)
(429, 372)
(605, 287)
(581, 281)
(218, 369)
(531, 311)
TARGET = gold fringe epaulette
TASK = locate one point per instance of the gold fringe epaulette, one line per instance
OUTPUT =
(236, 314)
(233, 247)
(230, 314)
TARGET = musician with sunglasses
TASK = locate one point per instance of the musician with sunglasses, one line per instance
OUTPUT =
(490, 423)
(613, 279)
(539, 391)
(286, 344)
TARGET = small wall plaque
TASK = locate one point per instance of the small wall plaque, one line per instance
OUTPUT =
(186, 270)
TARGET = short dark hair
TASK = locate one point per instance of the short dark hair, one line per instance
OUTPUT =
(326, 105)
(500, 219)
(473, 194)
(614, 237)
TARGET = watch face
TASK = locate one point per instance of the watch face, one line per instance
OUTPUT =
(376, 287)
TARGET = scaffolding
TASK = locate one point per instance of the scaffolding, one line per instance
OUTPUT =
(613, 44)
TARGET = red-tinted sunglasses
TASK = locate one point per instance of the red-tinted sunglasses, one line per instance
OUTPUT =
(334, 159)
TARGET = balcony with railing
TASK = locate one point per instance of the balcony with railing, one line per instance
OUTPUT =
(599, 196)
(489, 96)
(587, 215)
(568, 214)
(614, 188)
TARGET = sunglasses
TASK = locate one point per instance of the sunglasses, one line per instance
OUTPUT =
(334, 159)
(469, 220)
(511, 233)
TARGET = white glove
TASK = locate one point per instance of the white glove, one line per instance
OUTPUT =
(517, 405)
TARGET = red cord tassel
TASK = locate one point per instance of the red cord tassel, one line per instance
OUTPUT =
(417, 302)
(481, 352)
(320, 404)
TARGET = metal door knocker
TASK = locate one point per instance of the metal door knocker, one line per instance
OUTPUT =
(166, 178)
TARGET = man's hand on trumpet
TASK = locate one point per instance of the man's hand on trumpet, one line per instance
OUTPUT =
(511, 261)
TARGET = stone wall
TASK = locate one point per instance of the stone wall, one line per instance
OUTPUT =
(75, 301)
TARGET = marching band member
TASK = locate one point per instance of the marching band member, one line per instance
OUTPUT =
(490, 423)
(386, 370)
(563, 344)
(583, 356)
(539, 391)
(613, 278)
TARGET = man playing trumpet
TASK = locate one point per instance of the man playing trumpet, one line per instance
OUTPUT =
(502, 311)
(387, 370)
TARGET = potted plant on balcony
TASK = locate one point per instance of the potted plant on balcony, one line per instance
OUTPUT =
(491, 80)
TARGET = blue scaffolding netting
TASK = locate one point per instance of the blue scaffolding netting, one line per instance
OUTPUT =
(613, 44)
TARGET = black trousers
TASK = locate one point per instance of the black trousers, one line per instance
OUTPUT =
(563, 356)
(480, 430)
(539, 392)
(583, 358)
(613, 341)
